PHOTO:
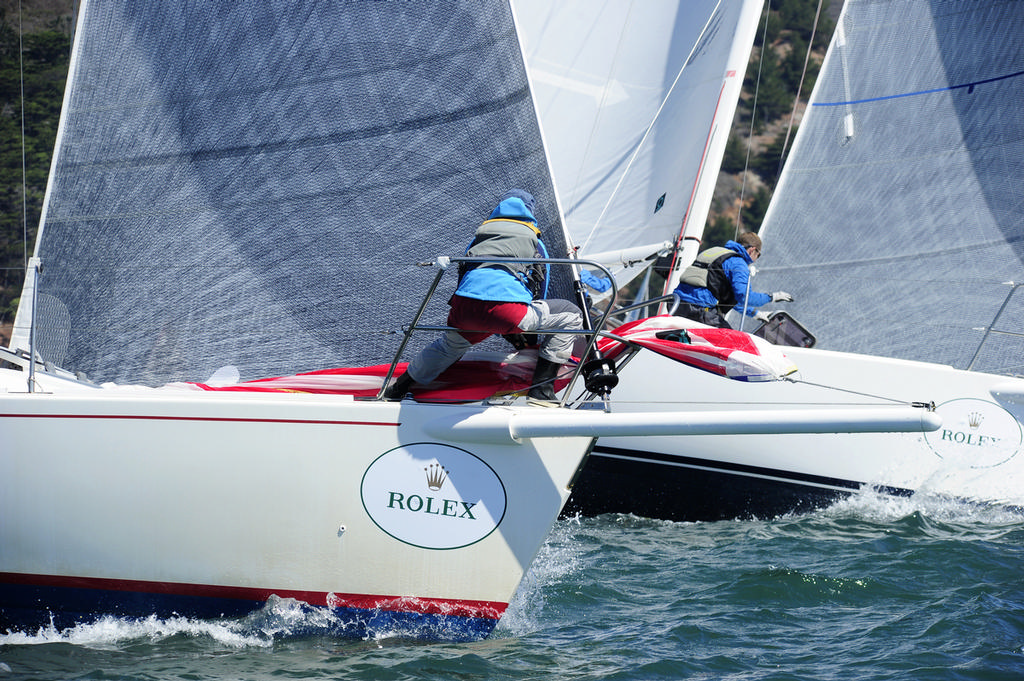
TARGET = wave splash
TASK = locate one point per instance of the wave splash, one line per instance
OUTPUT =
(279, 619)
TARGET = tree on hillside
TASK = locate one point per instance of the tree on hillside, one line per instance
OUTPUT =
(754, 210)
(719, 230)
(766, 164)
(735, 158)
(797, 17)
(773, 96)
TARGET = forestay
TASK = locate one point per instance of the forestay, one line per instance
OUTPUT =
(251, 184)
(898, 221)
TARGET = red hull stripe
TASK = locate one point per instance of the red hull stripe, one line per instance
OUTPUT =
(432, 606)
(196, 418)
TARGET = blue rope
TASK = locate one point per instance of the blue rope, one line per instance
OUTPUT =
(969, 86)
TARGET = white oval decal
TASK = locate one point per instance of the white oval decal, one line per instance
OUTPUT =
(975, 433)
(433, 496)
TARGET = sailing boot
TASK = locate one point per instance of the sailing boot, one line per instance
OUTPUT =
(397, 390)
(542, 393)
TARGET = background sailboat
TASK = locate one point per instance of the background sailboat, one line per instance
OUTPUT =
(898, 54)
(897, 221)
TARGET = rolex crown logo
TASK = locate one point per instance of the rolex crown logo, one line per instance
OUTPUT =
(436, 475)
(974, 419)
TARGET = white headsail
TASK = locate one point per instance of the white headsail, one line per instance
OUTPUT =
(636, 100)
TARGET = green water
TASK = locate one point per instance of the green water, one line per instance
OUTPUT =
(871, 588)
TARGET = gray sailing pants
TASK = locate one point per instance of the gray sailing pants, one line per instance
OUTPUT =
(540, 314)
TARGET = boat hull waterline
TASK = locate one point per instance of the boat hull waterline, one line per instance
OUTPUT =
(200, 505)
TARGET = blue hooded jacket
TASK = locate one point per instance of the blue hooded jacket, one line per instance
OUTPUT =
(499, 283)
(738, 272)
(516, 204)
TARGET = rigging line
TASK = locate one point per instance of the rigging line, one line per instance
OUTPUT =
(848, 391)
(24, 172)
(988, 331)
(799, 88)
(650, 126)
(970, 89)
(758, 403)
(753, 116)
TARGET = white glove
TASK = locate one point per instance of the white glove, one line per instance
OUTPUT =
(781, 297)
(753, 270)
(761, 316)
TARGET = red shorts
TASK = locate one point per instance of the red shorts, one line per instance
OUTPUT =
(483, 318)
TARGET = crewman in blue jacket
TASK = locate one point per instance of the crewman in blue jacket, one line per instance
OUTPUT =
(717, 281)
(501, 298)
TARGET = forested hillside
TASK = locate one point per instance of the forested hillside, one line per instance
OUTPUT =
(35, 38)
(34, 50)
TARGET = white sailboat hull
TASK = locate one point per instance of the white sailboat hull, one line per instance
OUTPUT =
(161, 501)
(975, 454)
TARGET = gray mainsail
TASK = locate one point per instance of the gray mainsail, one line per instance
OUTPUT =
(252, 184)
(898, 221)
